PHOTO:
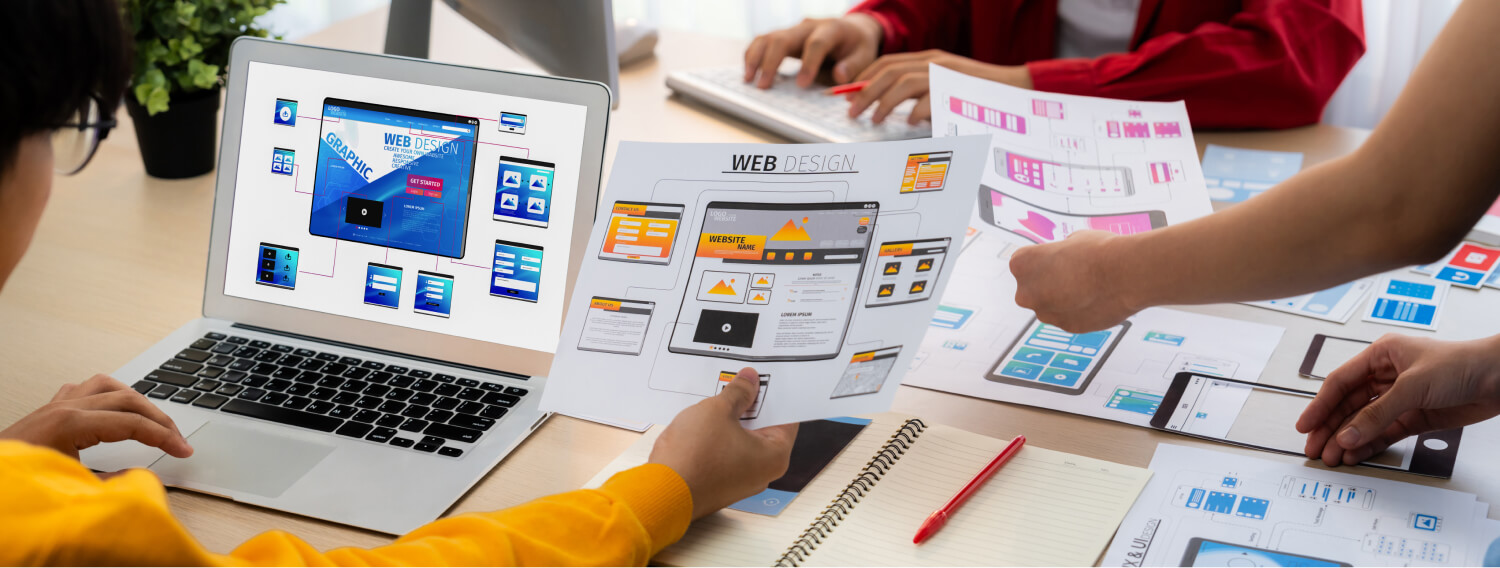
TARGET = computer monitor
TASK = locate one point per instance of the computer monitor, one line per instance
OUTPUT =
(566, 38)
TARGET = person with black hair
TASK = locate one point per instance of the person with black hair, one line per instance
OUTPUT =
(66, 64)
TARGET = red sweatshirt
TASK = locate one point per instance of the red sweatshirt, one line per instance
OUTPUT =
(1238, 64)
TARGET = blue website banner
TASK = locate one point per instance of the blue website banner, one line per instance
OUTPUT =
(383, 286)
(523, 191)
(434, 294)
(394, 177)
(517, 272)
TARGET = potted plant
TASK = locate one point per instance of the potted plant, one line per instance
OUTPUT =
(181, 59)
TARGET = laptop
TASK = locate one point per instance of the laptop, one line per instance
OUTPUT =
(801, 115)
(393, 244)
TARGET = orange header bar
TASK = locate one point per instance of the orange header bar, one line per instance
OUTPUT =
(629, 209)
(602, 304)
(862, 357)
(902, 249)
(740, 247)
(726, 376)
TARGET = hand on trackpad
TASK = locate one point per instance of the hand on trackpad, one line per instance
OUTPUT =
(242, 459)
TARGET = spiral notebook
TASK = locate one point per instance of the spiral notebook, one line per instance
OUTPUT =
(1042, 508)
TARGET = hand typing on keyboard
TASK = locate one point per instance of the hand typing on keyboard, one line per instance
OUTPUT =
(96, 411)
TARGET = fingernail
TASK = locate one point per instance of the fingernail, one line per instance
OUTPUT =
(1349, 438)
(842, 71)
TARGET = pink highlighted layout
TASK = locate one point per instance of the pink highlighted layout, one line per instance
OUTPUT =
(996, 118)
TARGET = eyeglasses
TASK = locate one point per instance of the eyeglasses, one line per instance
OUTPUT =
(74, 142)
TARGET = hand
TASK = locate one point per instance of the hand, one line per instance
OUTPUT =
(897, 77)
(720, 460)
(99, 410)
(1397, 387)
(1067, 285)
(853, 41)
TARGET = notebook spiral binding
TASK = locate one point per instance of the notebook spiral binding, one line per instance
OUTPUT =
(839, 508)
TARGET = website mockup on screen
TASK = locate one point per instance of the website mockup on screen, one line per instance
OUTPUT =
(406, 204)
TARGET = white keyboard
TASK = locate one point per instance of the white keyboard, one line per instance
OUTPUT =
(803, 115)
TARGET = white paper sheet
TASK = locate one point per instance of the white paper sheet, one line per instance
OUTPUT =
(1336, 304)
(1232, 510)
(819, 265)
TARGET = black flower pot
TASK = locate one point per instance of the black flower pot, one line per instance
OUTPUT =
(180, 142)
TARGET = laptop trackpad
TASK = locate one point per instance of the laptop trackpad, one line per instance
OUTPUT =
(242, 459)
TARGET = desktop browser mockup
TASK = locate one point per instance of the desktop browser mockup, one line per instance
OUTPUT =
(394, 202)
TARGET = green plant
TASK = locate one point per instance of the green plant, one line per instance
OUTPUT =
(182, 46)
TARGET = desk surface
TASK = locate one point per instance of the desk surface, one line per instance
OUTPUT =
(118, 263)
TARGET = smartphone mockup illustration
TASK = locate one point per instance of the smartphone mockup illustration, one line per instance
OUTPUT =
(1041, 225)
(1046, 357)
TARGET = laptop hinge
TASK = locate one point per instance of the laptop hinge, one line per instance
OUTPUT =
(385, 352)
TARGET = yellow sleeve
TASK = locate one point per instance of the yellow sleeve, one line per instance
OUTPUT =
(57, 512)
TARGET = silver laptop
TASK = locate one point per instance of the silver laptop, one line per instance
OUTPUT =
(393, 244)
(802, 115)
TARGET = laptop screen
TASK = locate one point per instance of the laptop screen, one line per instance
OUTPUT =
(406, 204)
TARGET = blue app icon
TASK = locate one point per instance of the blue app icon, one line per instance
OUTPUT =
(1033, 356)
(1019, 370)
(1059, 377)
(1071, 362)
(282, 161)
(286, 112)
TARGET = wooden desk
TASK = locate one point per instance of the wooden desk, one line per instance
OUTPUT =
(119, 259)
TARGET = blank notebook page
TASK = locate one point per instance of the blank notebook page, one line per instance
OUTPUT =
(1043, 508)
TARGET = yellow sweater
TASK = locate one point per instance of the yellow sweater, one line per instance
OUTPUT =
(55, 511)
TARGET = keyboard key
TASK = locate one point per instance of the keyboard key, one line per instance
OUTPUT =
(220, 361)
(399, 394)
(233, 377)
(345, 398)
(335, 369)
(252, 394)
(373, 366)
(223, 348)
(279, 348)
(246, 352)
(291, 360)
(439, 415)
(203, 344)
(354, 429)
(210, 400)
(451, 432)
(516, 391)
(305, 352)
(287, 373)
(354, 386)
(447, 403)
(320, 407)
(492, 387)
(214, 335)
(297, 402)
(447, 390)
(495, 412)
(470, 383)
(327, 357)
(470, 408)
(171, 378)
(401, 382)
(300, 389)
(275, 398)
(366, 416)
(281, 415)
(368, 402)
(390, 420)
(263, 369)
(471, 394)
(423, 398)
(450, 451)
(256, 380)
(143, 386)
(418, 373)
(402, 442)
(211, 372)
(312, 365)
(434, 440)
(425, 385)
(241, 365)
(414, 425)
(322, 394)
(267, 356)
(330, 381)
(474, 422)
(278, 385)
(397, 369)
(442, 378)
(376, 390)
(414, 411)
(350, 361)
(194, 355)
(185, 396)
(237, 340)
(207, 385)
(357, 373)
(381, 435)
(342, 411)
(421, 447)
(501, 399)
(184, 367)
(392, 406)
(309, 377)
(162, 391)
(229, 390)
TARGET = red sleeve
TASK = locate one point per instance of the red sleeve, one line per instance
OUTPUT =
(1274, 65)
(912, 25)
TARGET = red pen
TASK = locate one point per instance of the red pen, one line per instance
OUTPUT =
(940, 517)
(848, 88)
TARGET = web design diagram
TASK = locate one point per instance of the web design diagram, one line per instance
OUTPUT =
(381, 206)
(1208, 508)
(815, 266)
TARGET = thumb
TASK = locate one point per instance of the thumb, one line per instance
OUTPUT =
(1376, 416)
(740, 394)
(780, 437)
(849, 66)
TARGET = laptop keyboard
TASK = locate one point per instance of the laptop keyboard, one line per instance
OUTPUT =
(386, 404)
(813, 106)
